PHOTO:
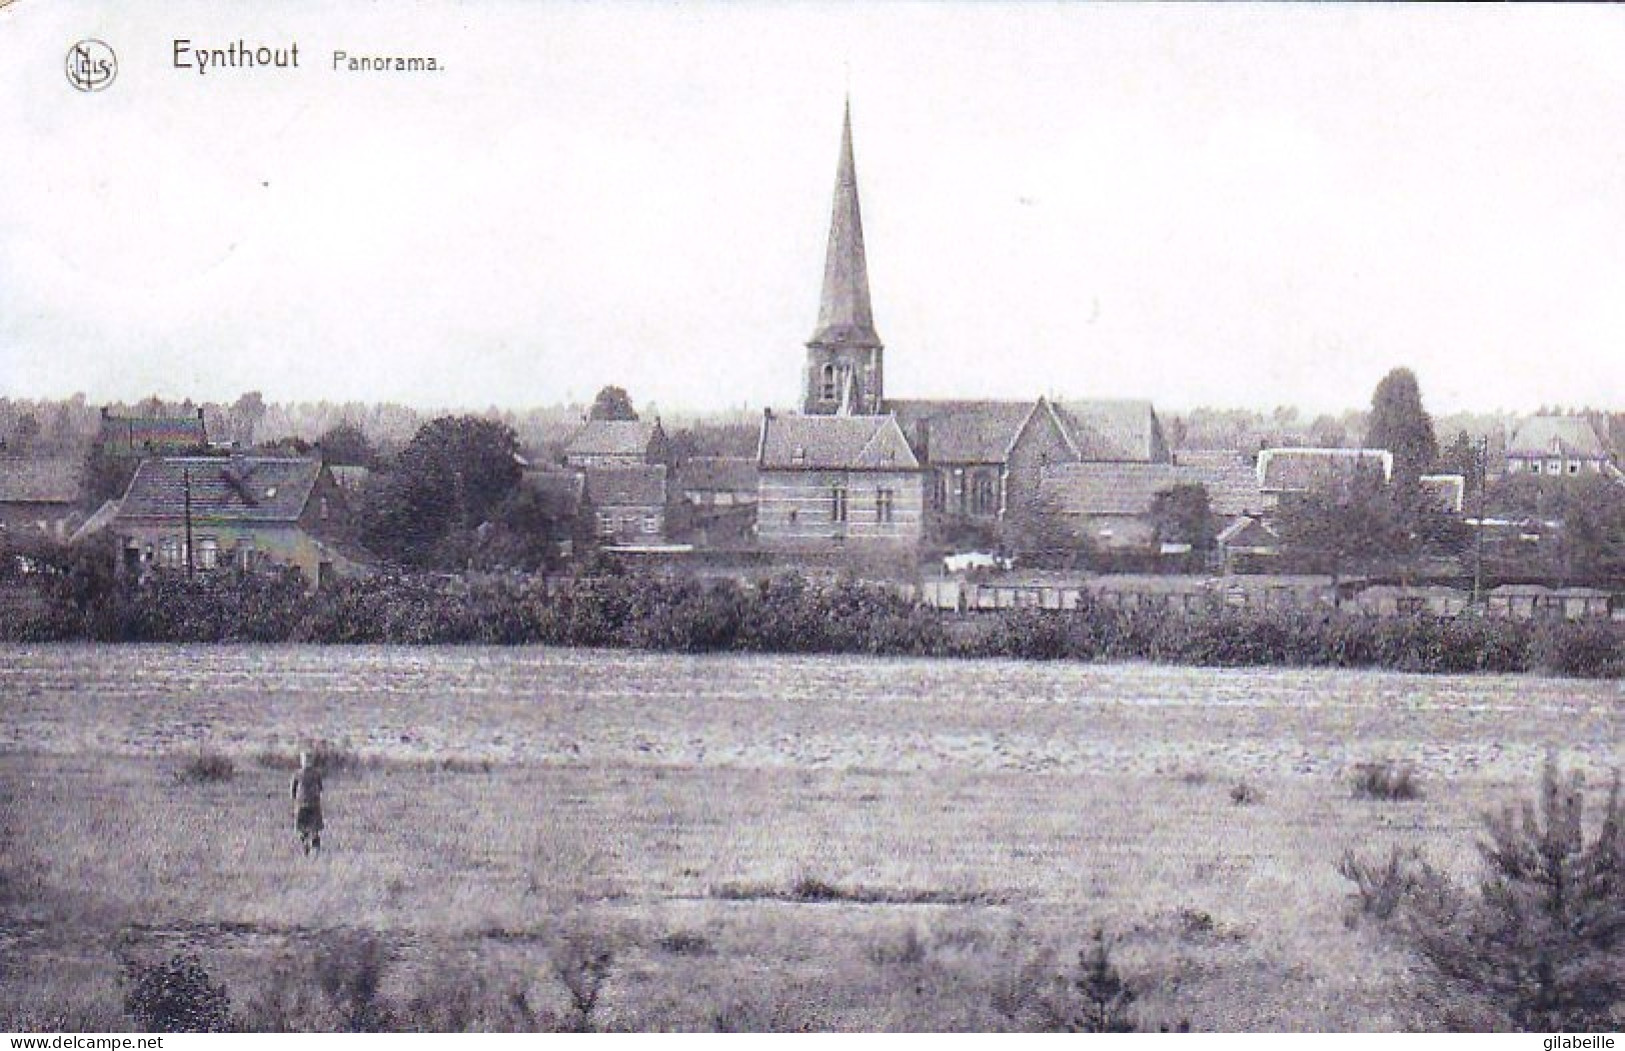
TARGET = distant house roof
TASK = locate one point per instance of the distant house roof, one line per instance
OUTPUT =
(717, 474)
(152, 435)
(1247, 532)
(1131, 488)
(962, 431)
(849, 443)
(1447, 491)
(634, 485)
(612, 438)
(238, 488)
(1125, 430)
(1540, 436)
(40, 480)
(560, 493)
(1231, 482)
(1302, 470)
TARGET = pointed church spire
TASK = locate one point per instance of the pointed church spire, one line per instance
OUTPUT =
(844, 314)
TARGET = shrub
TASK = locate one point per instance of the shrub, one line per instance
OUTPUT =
(207, 767)
(1244, 794)
(1385, 780)
(1096, 999)
(1539, 945)
(350, 970)
(175, 997)
(685, 943)
(583, 963)
(1381, 887)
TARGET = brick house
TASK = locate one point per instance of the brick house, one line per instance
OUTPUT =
(610, 443)
(40, 495)
(243, 511)
(630, 503)
(831, 484)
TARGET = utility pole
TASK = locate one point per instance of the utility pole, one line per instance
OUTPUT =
(186, 485)
(1478, 540)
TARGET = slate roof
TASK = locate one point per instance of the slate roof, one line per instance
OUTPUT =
(560, 493)
(40, 480)
(1120, 430)
(612, 438)
(1554, 436)
(237, 488)
(717, 474)
(154, 434)
(844, 314)
(1131, 488)
(1302, 470)
(635, 485)
(965, 432)
(849, 443)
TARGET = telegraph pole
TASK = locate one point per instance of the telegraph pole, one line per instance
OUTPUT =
(186, 485)
(1478, 540)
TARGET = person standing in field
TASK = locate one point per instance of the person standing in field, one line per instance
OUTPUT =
(307, 804)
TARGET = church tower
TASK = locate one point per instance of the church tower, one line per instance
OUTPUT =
(844, 357)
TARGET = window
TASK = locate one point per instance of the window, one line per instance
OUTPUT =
(170, 553)
(1534, 466)
(651, 524)
(883, 505)
(826, 384)
(837, 503)
(1574, 468)
(606, 524)
(982, 496)
(208, 552)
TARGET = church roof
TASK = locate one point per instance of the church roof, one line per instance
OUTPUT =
(844, 314)
(1540, 436)
(962, 431)
(1123, 430)
(850, 443)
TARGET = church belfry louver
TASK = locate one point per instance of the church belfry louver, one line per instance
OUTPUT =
(844, 374)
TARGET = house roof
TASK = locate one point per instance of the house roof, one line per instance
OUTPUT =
(1449, 491)
(1231, 484)
(962, 431)
(1247, 531)
(1301, 470)
(1555, 436)
(634, 485)
(560, 493)
(612, 438)
(722, 473)
(1104, 488)
(40, 480)
(152, 434)
(1122, 430)
(847, 443)
(237, 488)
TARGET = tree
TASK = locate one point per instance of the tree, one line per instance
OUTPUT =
(1183, 515)
(26, 434)
(612, 403)
(346, 444)
(246, 414)
(1359, 522)
(448, 480)
(1400, 425)
(1542, 942)
(1462, 457)
(1038, 533)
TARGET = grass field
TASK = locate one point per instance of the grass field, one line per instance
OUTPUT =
(970, 837)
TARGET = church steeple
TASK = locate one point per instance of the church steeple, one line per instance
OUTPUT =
(844, 354)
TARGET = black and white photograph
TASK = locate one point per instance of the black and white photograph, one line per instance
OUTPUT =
(814, 517)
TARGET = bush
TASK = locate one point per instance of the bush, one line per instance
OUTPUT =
(1385, 780)
(583, 963)
(175, 997)
(1381, 887)
(207, 767)
(1540, 945)
(1244, 794)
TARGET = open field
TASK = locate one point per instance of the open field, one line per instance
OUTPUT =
(986, 815)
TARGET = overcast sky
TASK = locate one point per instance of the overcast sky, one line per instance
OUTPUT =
(1235, 206)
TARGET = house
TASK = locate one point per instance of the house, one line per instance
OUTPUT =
(624, 443)
(1556, 445)
(630, 503)
(139, 436)
(1444, 492)
(1283, 472)
(1245, 539)
(240, 511)
(1110, 503)
(40, 495)
(830, 484)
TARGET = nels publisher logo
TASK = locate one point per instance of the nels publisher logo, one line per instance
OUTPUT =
(91, 65)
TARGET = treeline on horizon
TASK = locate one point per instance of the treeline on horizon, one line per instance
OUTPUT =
(83, 599)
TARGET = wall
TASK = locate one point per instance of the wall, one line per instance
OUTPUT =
(794, 510)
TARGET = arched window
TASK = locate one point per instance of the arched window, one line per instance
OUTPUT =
(826, 385)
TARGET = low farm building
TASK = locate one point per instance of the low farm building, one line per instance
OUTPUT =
(242, 511)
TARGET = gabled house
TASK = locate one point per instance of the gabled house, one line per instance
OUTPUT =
(609, 443)
(1556, 445)
(630, 503)
(837, 483)
(243, 511)
(40, 495)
